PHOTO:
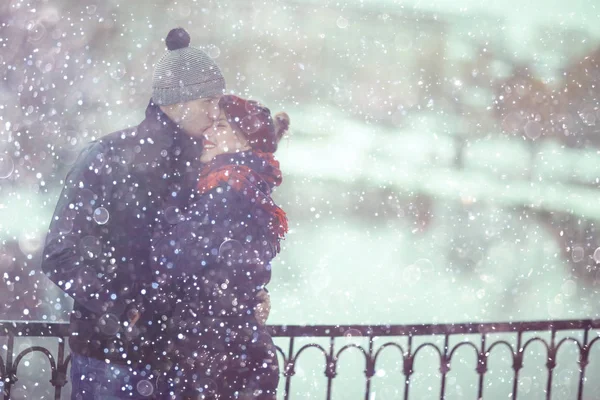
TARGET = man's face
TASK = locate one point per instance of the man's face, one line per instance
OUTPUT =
(194, 116)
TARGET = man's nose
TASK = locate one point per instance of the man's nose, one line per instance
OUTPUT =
(208, 132)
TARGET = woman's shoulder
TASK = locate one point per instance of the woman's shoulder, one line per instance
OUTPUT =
(221, 198)
(234, 195)
(225, 202)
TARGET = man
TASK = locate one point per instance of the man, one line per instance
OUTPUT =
(98, 244)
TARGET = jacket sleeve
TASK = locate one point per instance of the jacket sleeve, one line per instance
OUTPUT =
(75, 256)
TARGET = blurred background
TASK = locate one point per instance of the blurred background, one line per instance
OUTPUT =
(442, 164)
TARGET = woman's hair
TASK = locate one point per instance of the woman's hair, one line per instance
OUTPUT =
(254, 121)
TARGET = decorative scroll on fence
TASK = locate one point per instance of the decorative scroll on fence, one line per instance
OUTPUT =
(13, 331)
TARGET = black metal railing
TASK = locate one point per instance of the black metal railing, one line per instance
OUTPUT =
(16, 330)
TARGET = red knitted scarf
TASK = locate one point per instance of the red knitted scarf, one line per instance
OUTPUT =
(244, 179)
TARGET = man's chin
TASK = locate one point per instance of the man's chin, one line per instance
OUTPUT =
(206, 158)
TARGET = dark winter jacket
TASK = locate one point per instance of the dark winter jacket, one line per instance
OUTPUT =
(209, 263)
(98, 245)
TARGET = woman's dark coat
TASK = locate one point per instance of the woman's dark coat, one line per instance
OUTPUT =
(209, 262)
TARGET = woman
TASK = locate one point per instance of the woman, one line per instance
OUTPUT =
(212, 262)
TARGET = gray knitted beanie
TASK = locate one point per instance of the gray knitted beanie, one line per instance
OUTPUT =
(185, 73)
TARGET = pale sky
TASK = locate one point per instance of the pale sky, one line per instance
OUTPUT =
(578, 13)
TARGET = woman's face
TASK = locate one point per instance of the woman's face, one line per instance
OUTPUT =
(221, 138)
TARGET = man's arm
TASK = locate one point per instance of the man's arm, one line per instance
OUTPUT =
(75, 253)
(263, 308)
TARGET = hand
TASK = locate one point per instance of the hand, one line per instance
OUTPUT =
(263, 308)
(133, 315)
(134, 319)
(130, 331)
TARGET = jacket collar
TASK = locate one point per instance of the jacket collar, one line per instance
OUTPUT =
(179, 153)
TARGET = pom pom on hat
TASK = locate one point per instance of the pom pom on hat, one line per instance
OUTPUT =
(185, 75)
(177, 38)
(282, 123)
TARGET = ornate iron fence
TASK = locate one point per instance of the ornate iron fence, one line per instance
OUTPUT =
(13, 330)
